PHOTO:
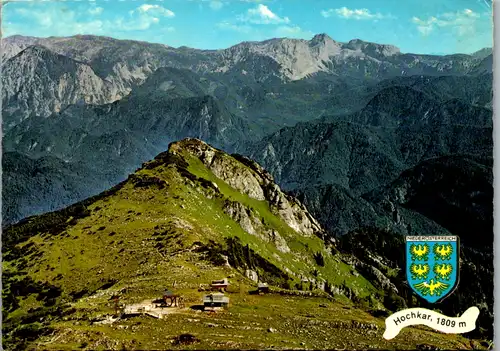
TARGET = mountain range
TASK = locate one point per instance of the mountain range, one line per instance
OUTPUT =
(375, 143)
(91, 76)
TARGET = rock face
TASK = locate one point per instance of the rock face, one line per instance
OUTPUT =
(251, 179)
(38, 81)
(252, 225)
(298, 59)
(13, 45)
(252, 275)
(378, 157)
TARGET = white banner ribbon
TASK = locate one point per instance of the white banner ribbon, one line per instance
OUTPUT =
(432, 319)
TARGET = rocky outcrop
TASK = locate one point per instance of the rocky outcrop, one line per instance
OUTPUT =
(249, 178)
(67, 74)
(292, 211)
(244, 217)
(252, 224)
(252, 275)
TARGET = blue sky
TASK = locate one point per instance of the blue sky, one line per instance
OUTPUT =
(418, 26)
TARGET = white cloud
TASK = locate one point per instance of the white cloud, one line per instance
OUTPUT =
(275, 26)
(216, 5)
(293, 31)
(95, 10)
(462, 22)
(155, 10)
(357, 14)
(59, 23)
(289, 29)
(225, 2)
(54, 20)
(261, 14)
(143, 17)
(262, 33)
(234, 27)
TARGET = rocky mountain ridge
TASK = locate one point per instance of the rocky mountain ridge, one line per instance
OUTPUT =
(125, 64)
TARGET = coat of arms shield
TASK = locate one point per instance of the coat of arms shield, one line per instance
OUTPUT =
(432, 265)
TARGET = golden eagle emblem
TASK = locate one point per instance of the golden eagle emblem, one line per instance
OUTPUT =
(419, 252)
(433, 287)
(443, 251)
(443, 271)
(419, 271)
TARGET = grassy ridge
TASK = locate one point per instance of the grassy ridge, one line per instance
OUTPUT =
(162, 228)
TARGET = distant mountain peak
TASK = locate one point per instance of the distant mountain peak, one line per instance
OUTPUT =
(356, 41)
(372, 49)
(39, 53)
(483, 53)
(321, 38)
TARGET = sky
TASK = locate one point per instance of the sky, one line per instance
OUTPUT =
(414, 26)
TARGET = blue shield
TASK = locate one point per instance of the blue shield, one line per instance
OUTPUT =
(432, 265)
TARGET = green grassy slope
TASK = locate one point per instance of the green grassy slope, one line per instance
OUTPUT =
(166, 226)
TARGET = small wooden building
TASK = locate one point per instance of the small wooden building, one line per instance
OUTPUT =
(215, 301)
(220, 284)
(263, 288)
